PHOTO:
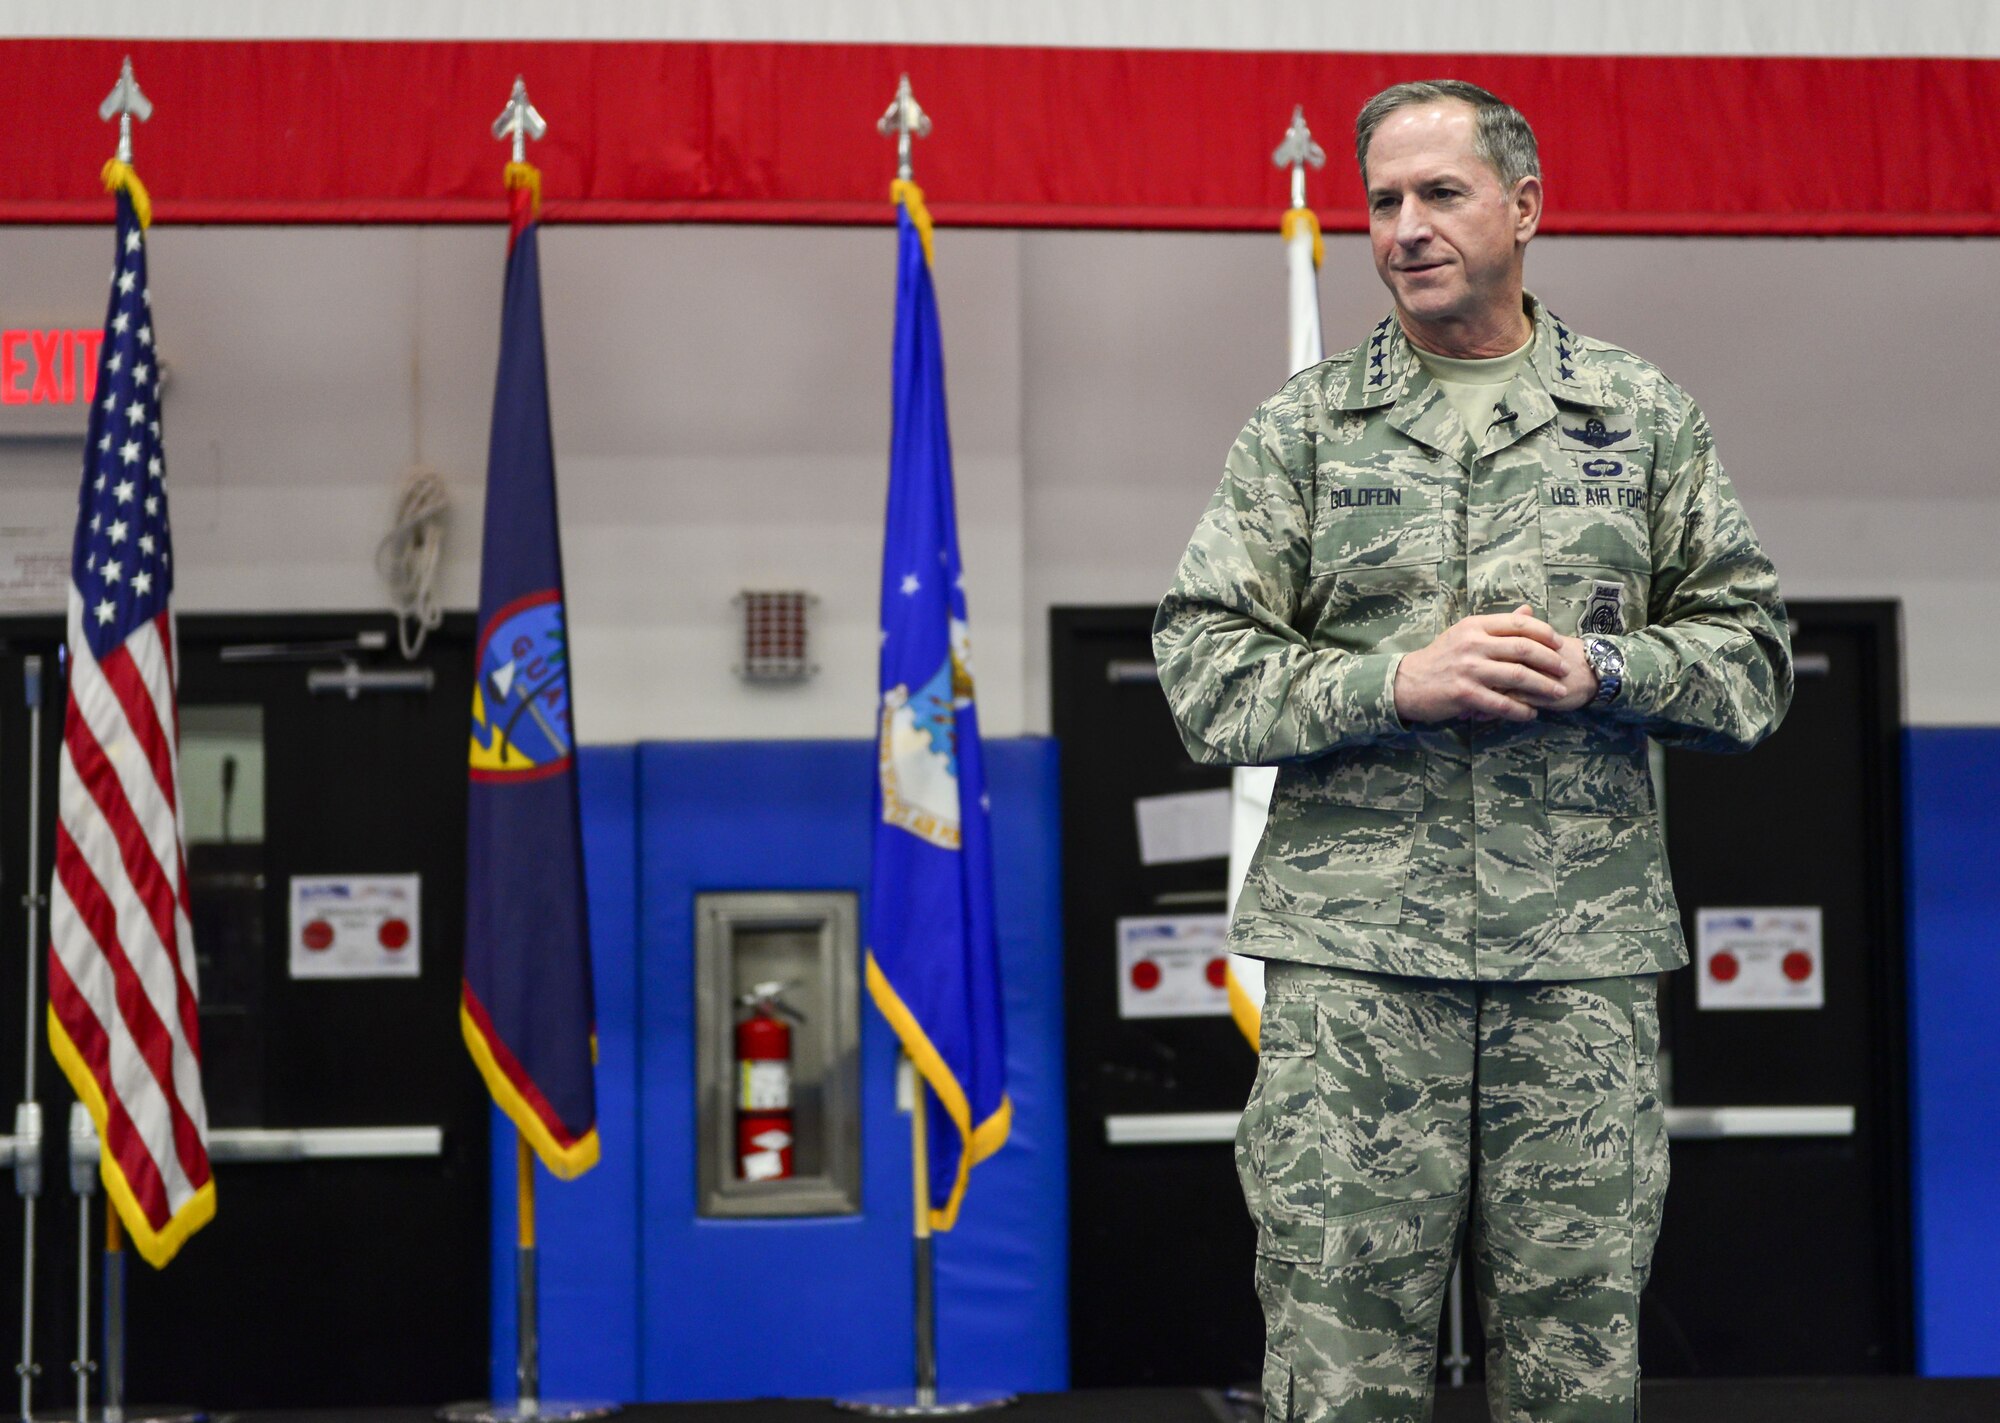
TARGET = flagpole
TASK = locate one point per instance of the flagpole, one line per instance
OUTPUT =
(528, 1403)
(89, 1156)
(27, 1142)
(1297, 150)
(114, 1315)
(926, 1399)
(905, 121)
(83, 1156)
(517, 124)
(920, 1177)
(527, 1298)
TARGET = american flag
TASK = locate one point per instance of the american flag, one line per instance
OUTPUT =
(122, 999)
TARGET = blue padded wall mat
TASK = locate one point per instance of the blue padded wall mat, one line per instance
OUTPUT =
(680, 1317)
(641, 1298)
(1953, 821)
(589, 1227)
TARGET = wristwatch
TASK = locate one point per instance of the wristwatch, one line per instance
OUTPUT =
(1609, 664)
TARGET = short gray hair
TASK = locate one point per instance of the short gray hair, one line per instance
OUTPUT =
(1500, 135)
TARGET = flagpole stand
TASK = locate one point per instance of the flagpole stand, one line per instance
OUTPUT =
(83, 1160)
(24, 1147)
(527, 1328)
(83, 1153)
(926, 1400)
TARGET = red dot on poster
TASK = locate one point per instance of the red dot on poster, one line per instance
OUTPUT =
(393, 934)
(317, 935)
(1218, 972)
(1798, 965)
(1145, 975)
(1723, 967)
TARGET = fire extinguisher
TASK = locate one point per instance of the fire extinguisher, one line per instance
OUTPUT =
(764, 1085)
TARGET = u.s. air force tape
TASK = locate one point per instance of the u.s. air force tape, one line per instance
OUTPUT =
(1601, 615)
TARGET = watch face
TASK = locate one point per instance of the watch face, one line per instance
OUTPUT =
(1609, 665)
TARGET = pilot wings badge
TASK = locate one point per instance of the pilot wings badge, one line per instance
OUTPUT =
(1596, 435)
(918, 750)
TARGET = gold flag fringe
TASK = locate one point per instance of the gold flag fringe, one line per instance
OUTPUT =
(121, 175)
(1295, 216)
(526, 175)
(903, 191)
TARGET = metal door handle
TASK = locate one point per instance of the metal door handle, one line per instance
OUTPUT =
(323, 1143)
(353, 680)
(1683, 1123)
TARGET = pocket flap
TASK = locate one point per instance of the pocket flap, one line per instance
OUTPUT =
(1596, 523)
(1600, 782)
(1370, 777)
(1288, 1029)
(1359, 541)
(1402, 1230)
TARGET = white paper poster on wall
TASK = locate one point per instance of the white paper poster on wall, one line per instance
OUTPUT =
(356, 926)
(34, 569)
(1173, 966)
(1188, 825)
(1759, 958)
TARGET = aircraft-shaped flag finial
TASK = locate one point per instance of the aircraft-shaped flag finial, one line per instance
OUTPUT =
(904, 118)
(1296, 151)
(519, 121)
(128, 102)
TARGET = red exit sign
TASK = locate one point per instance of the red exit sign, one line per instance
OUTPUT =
(49, 368)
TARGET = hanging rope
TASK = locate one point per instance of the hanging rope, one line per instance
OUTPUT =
(408, 559)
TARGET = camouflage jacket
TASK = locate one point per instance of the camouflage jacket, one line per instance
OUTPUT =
(1356, 520)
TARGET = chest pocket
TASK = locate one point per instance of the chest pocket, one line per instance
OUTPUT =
(1594, 514)
(1597, 547)
(1378, 543)
(1369, 519)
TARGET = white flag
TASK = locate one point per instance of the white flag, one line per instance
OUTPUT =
(1303, 251)
(1251, 801)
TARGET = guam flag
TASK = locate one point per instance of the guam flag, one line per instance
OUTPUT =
(525, 1005)
(933, 959)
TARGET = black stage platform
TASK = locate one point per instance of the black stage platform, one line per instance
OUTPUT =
(1837, 1400)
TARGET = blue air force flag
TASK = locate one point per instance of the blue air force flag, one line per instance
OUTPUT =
(525, 1006)
(933, 957)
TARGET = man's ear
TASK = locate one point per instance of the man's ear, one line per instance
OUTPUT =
(1527, 204)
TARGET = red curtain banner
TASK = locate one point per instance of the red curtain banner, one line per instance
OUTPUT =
(397, 131)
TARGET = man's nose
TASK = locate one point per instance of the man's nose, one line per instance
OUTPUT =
(1413, 223)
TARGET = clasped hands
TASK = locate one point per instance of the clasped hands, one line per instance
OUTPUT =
(1495, 667)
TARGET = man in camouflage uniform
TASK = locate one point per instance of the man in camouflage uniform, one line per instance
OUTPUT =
(1451, 583)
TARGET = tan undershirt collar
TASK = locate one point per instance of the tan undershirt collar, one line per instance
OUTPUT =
(1473, 386)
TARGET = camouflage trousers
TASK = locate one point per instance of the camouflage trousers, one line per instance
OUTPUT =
(1389, 1111)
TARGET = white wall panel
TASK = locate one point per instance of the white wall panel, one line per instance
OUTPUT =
(721, 409)
(1845, 380)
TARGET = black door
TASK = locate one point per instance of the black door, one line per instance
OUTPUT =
(1161, 1249)
(1790, 1254)
(1782, 1254)
(356, 1275)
